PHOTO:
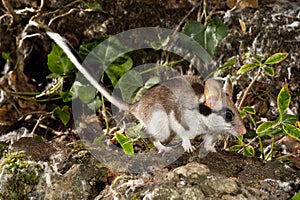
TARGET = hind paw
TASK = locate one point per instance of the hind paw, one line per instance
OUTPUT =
(161, 148)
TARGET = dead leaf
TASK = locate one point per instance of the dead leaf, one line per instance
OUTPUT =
(243, 26)
(241, 4)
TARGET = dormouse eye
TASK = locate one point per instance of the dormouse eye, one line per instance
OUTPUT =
(229, 115)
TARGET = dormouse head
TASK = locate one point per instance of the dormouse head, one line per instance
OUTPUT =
(219, 109)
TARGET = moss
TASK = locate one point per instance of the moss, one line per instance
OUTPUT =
(3, 148)
(77, 147)
(19, 176)
(79, 154)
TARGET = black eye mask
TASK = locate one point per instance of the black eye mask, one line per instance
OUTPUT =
(205, 110)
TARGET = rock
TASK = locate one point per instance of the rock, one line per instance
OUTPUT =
(77, 183)
(190, 181)
(38, 150)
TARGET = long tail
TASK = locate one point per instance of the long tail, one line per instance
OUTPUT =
(63, 43)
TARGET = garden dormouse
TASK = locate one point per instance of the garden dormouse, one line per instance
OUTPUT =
(182, 105)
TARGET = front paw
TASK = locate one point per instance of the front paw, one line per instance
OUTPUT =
(190, 149)
(187, 146)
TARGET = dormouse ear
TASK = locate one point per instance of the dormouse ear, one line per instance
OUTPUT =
(227, 88)
(213, 95)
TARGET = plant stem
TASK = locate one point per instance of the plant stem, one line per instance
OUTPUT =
(249, 143)
(248, 88)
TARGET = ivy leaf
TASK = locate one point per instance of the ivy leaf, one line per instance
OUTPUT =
(129, 83)
(58, 62)
(291, 131)
(141, 91)
(265, 127)
(157, 45)
(86, 93)
(268, 70)
(66, 96)
(247, 67)
(276, 58)
(209, 36)
(63, 114)
(283, 100)
(195, 30)
(87, 48)
(215, 31)
(96, 104)
(118, 68)
(125, 143)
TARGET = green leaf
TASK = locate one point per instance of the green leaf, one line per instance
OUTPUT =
(240, 138)
(236, 147)
(261, 147)
(85, 49)
(58, 62)
(142, 90)
(296, 196)
(283, 100)
(195, 30)
(230, 62)
(246, 55)
(129, 83)
(96, 104)
(276, 58)
(215, 31)
(5, 55)
(110, 52)
(99, 140)
(258, 58)
(268, 70)
(94, 6)
(247, 67)
(136, 132)
(253, 120)
(71, 94)
(265, 127)
(242, 114)
(63, 114)
(157, 45)
(249, 151)
(269, 155)
(118, 68)
(66, 96)
(291, 130)
(86, 93)
(249, 110)
(125, 143)
(209, 36)
(289, 119)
